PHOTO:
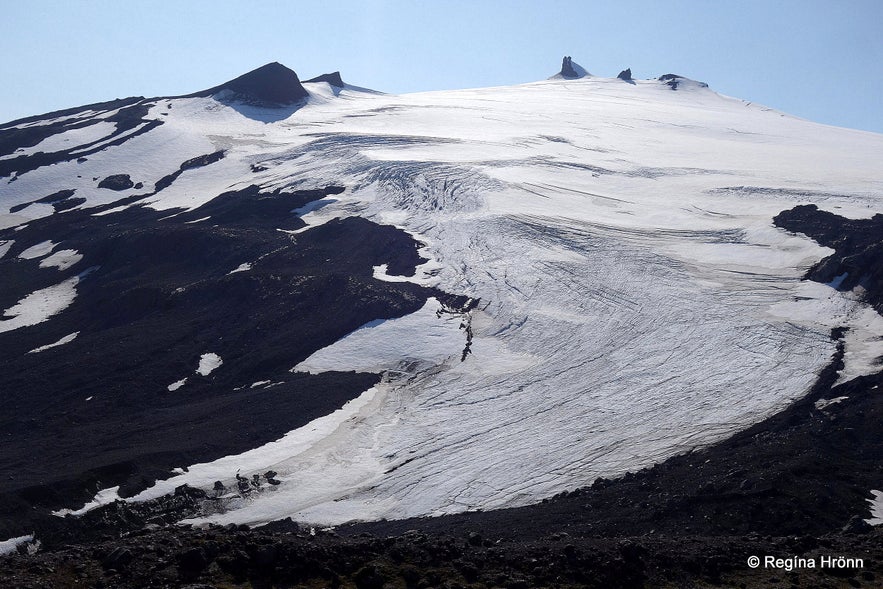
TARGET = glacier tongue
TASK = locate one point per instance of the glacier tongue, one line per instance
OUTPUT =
(592, 356)
(635, 299)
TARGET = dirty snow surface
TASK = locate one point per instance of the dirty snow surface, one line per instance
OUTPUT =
(11, 545)
(876, 508)
(634, 299)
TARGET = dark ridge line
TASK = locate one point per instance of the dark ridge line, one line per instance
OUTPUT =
(333, 78)
(107, 106)
(52, 199)
(126, 119)
(192, 163)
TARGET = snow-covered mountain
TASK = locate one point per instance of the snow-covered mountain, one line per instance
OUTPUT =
(356, 305)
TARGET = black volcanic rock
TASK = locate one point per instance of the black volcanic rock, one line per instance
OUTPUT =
(117, 182)
(290, 557)
(673, 81)
(625, 75)
(269, 84)
(333, 78)
(53, 199)
(858, 244)
(567, 70)
(196, 162)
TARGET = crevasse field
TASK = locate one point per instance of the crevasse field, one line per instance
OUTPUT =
(634, 298)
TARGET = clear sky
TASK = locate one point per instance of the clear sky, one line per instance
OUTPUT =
(821, 60)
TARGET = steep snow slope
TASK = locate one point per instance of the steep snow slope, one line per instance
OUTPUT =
(634, 298)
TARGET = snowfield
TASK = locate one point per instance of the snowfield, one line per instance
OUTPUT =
(635, 299)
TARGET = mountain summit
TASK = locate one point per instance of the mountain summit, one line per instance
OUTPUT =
(269, 84)
(570, 70)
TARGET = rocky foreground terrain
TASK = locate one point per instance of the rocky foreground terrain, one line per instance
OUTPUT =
(226, 558)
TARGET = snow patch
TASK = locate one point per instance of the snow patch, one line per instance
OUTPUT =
(5, 245)
(380, 273)
(62, 259)
(37, 251)
(876, 508)
(65, 340)
(822, 403)
(240, 268)
(40, 305)
(208, 362)
(11, 545)
(177, 385)
(103, 497)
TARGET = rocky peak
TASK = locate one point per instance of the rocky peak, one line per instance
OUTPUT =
(272, 84)
(570, 70)
(567, 68)
(333, 79)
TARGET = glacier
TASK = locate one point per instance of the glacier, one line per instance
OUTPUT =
(633, 299)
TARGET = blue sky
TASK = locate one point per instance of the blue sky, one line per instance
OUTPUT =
(821, 60)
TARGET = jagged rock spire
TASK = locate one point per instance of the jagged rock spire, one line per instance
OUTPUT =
(567, 70)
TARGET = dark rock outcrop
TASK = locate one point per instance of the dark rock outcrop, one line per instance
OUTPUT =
(674, 81)
(858, 245)
(271, 84)
(117, 182)
(625, 75)
(567, 70)
(671, 80)
(333, 78)
(196, 162)
(56, 199)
